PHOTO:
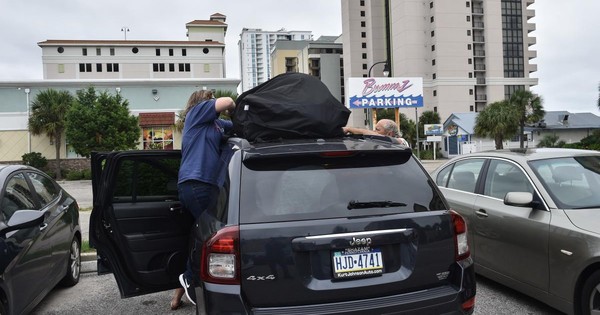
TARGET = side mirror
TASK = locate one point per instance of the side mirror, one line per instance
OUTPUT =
(22, 219)
(518, 199)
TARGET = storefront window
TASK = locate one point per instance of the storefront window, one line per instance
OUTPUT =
(158, 138)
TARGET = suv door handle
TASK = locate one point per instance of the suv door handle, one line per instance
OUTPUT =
(176, 207)
(43, 226)
(481, 213)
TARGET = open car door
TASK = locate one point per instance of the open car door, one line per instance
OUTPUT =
(138, 226)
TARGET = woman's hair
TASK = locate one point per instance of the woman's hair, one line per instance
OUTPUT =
(196, 98)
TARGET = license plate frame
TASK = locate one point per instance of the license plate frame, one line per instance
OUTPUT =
(358, 262)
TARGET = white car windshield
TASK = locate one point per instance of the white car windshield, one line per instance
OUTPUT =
(573, 182)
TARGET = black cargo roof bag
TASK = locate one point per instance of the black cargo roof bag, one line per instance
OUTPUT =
(290, 105)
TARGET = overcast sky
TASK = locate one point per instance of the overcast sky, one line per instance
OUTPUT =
(567, 33)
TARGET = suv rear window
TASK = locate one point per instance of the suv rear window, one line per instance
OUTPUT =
(310, 187)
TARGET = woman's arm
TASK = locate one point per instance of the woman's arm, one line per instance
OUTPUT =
(224, 103)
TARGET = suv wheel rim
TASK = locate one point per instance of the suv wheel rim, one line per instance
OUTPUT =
(75, 259)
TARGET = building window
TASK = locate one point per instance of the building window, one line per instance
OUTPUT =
(61, 68)
(183, 52)
(431, 19)
(470, 61)
(362, 13)
(170, 51)
(98, 67)
(362, 3)
(207, 67)
(431, 5)
(432, 47)
(432, 33)
(470, 75)
(434, 76)
(468, 46)
(181, 67)
(112, 67)
(84, 51)
(435, 109)
(158, 138)
(364, 75)
(433, 62)
(364, 56)
(468, 4)
(112, 51)
(60, 50)
(98, 51)
(158, 51)
(364, 45)
(468, 18)
(364, 66)
(363, 34)
(434, 92)
(468, 32)
(187, 67)
(85, 67)
(135, 50)
(470, 91)
(471, 108)
(363, 24)
(171, 67)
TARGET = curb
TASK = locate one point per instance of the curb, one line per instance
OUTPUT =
(88, 262)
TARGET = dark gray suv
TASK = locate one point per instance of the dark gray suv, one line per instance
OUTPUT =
(352, 225)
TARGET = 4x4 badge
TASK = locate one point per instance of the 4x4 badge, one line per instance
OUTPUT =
(360, 241)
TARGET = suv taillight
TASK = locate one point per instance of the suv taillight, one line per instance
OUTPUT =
(221, 257)
(460, 236)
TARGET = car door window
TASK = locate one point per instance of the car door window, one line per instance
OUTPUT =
(17, 196)
(44, 187)
(148, 179)
(504, 177)
(442, 177)
(465, 174)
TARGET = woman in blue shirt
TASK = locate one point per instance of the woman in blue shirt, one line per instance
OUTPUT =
(199, 172)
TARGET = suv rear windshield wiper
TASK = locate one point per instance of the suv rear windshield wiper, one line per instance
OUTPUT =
(353, 204)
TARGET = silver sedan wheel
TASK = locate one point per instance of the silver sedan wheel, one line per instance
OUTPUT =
(75, 259)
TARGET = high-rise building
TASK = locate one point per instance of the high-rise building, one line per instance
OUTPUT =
(469, 53)
(201, 56)
(255, 47)
(321, 58)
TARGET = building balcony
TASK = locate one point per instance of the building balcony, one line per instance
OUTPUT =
(531, 40)
(530, 27)
(290, 63)
(481, 97)
(479, 67)
(478, 25)
(532, 67)
(478, 39)
(532, 54)
(480, 81)
(529, 13)
(479, 53)
(477, 11)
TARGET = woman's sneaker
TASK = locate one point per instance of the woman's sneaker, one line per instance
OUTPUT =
(190, 291)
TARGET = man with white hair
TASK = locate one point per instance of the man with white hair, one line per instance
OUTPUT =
(384, 127)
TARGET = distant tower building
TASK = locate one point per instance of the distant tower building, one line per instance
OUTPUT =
(465, 63)
(255, 47)
(201, 56)
(321, 58)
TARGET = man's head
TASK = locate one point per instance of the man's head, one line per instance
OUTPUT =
(387, 127)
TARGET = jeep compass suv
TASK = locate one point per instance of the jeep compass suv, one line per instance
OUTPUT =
(350, 225)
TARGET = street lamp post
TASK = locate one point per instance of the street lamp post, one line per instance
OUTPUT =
(125, 29)
(386, 73)
(27, 91)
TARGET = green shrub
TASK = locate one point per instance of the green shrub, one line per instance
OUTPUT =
(74, 175)
(87, 174)
(34, 159)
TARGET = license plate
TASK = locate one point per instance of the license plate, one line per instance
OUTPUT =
(357, 263)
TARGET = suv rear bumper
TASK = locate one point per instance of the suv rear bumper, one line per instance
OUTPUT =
(448, 299)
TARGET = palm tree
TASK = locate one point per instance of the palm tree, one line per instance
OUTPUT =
(48, 112)
(498, 120)
(530, 109)
(551, 141)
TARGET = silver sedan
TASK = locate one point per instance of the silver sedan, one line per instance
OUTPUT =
(533, 219)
